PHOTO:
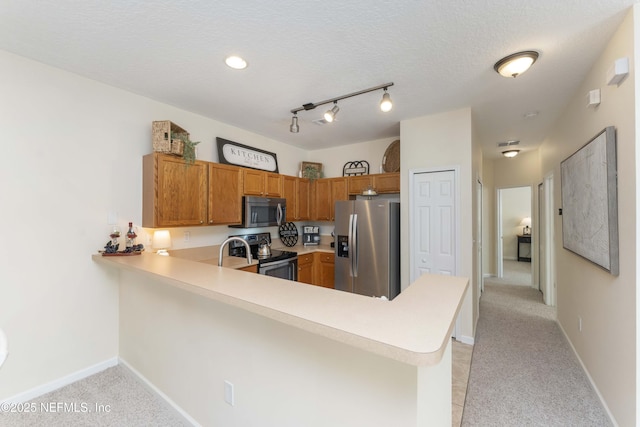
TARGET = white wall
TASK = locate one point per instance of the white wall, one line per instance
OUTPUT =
(187, 346)
(333, 159)
(607, 304)
(442, 140)
(72, 153)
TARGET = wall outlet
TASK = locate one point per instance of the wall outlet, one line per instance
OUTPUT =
(228, 393)
(187, 236)
(579, 323)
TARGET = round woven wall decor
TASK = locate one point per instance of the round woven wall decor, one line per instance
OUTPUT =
(391, 159)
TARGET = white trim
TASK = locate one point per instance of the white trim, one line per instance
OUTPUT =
(457, 220)
(152, 388)
(61, 382)
(466, 340)
(593, 384)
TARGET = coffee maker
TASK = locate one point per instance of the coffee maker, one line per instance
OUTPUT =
(310, 235)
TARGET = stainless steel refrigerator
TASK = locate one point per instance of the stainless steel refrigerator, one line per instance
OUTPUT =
(367, 240)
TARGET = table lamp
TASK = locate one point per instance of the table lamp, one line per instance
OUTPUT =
(526, 231)
(162, 241)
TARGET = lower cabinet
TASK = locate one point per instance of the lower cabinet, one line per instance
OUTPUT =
(250, 268)
(316, 268)
(324, 269)
(305, 268)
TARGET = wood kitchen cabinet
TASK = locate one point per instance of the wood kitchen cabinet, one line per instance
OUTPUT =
(296, 191)
(173, 194)
(260, 183)
(382, 183)
(250, 268)
(225, 194)
(327, 192)
(324, 269)
(305, 268)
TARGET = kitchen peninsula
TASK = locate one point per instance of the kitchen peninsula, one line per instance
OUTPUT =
(295, 354)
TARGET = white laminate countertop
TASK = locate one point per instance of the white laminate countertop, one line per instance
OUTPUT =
(414, 328)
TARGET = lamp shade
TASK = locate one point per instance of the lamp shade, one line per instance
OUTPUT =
(162, 241)
(526, 222)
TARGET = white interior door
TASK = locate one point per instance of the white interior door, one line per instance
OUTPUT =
(434, 219)
(478, 240)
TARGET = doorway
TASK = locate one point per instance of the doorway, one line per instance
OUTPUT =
(514, 238)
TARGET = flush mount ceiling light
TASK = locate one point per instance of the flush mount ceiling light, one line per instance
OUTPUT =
(516, 64)
(510, 153)
(236, 62)
(329, 116)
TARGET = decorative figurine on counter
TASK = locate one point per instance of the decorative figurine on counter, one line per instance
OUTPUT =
(112, 246)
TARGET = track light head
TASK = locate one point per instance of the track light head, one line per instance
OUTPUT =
(385, 104)
(294, 128)
(330, 115)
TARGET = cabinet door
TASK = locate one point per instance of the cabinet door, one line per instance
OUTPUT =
(174, 195)
(387, 182)
(357, 184)
(253, 182)
(272, 184)
(289, 185)
(305, 268)
(325, 269)
(225, 194)
(322, 208)
(338, 192)
(303, 199)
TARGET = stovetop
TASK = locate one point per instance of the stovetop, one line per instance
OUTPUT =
(237, 249)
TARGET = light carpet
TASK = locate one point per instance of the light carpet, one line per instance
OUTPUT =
(523, 371)
(113, 397)
(516, 273)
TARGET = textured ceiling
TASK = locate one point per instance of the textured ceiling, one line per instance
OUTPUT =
(439, 54)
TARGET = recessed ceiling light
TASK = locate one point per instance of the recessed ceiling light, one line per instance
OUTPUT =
(236, 62)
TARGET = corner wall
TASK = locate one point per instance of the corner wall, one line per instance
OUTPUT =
(607, 304)
(442, 140)
(72, 153)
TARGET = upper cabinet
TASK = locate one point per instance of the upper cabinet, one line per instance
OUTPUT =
(296, 191)
(205, 193)
(174, 195)
(225, 194)
(259, 183)
(382, 183)
(327, 192)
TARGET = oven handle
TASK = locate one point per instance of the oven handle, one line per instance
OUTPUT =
(282, 261)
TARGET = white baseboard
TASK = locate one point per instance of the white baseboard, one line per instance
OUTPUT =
(593, 384)
(465, 340)
(61, 382)
(151, 387)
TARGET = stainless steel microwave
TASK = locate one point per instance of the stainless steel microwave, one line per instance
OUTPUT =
(263, 211)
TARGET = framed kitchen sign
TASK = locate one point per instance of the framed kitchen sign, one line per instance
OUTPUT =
(590, 201)
(233, 153)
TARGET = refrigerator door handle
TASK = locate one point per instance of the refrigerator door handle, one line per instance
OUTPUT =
(350, 245)
(354, 260)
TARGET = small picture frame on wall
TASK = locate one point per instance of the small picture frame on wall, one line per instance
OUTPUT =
(311, 170)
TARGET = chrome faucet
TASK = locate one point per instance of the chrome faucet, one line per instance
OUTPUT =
(246, 245)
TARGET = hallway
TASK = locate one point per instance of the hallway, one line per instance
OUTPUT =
(523, 370)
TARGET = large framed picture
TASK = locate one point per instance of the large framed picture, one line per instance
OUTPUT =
(590, 201)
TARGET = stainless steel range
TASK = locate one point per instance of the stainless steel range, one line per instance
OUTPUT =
(277, 263)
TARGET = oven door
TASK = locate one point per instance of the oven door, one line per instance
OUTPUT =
(284, 269)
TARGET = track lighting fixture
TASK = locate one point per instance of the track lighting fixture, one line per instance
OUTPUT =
(330, 115)
(385, 105)
(294, 128)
